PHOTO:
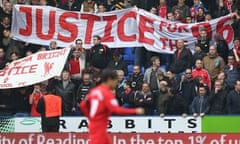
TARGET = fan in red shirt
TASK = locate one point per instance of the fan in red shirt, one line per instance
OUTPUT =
(203, 73)
(74, 65)
(34, 98)
(99, 104)
(163, 9)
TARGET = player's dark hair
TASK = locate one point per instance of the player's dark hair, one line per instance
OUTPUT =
(108, 74)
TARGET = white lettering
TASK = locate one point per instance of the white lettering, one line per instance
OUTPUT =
(4, 140)
(58, 141)
(197, 139)
(30, 138)
(50, 141)
(214, 141)
(117, 140)
(169, 141)
(68, 140)
(222, 139)
(22, 141)
(40, 139)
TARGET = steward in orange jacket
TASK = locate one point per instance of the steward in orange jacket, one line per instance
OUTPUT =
(50, 107)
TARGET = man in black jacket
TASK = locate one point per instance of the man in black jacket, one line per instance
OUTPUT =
(232, 69)
(218, 99)
(163, 97)
(233, 99)
(182, 60)
(136, 79)
(6, 103)
(198, 54)
(127, 96)
(203, 41)
(67, 90)
(200, 104)
(144, 98)
(188, 88)
(117, 63)
(175, 105)
(99, 55)
(222, 47)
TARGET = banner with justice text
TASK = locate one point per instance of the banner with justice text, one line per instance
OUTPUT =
(33, 69)
(123, 28)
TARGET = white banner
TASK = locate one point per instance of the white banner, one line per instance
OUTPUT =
(33, 69)
(124, 28)
(118, 124)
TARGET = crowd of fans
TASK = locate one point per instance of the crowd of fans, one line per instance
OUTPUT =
(206, 81)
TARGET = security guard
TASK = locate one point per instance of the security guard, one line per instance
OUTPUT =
(50, 107)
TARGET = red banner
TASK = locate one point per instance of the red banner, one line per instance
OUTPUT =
(117, 138)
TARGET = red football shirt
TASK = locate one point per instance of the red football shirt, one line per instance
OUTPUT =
(100, 103)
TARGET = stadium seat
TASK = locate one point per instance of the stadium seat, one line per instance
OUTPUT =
(130, 69)
(164, 67)
(128, 51)
(128, 59)
(142, 70)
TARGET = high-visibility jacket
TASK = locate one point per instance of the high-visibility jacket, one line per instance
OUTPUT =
(53, 105)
